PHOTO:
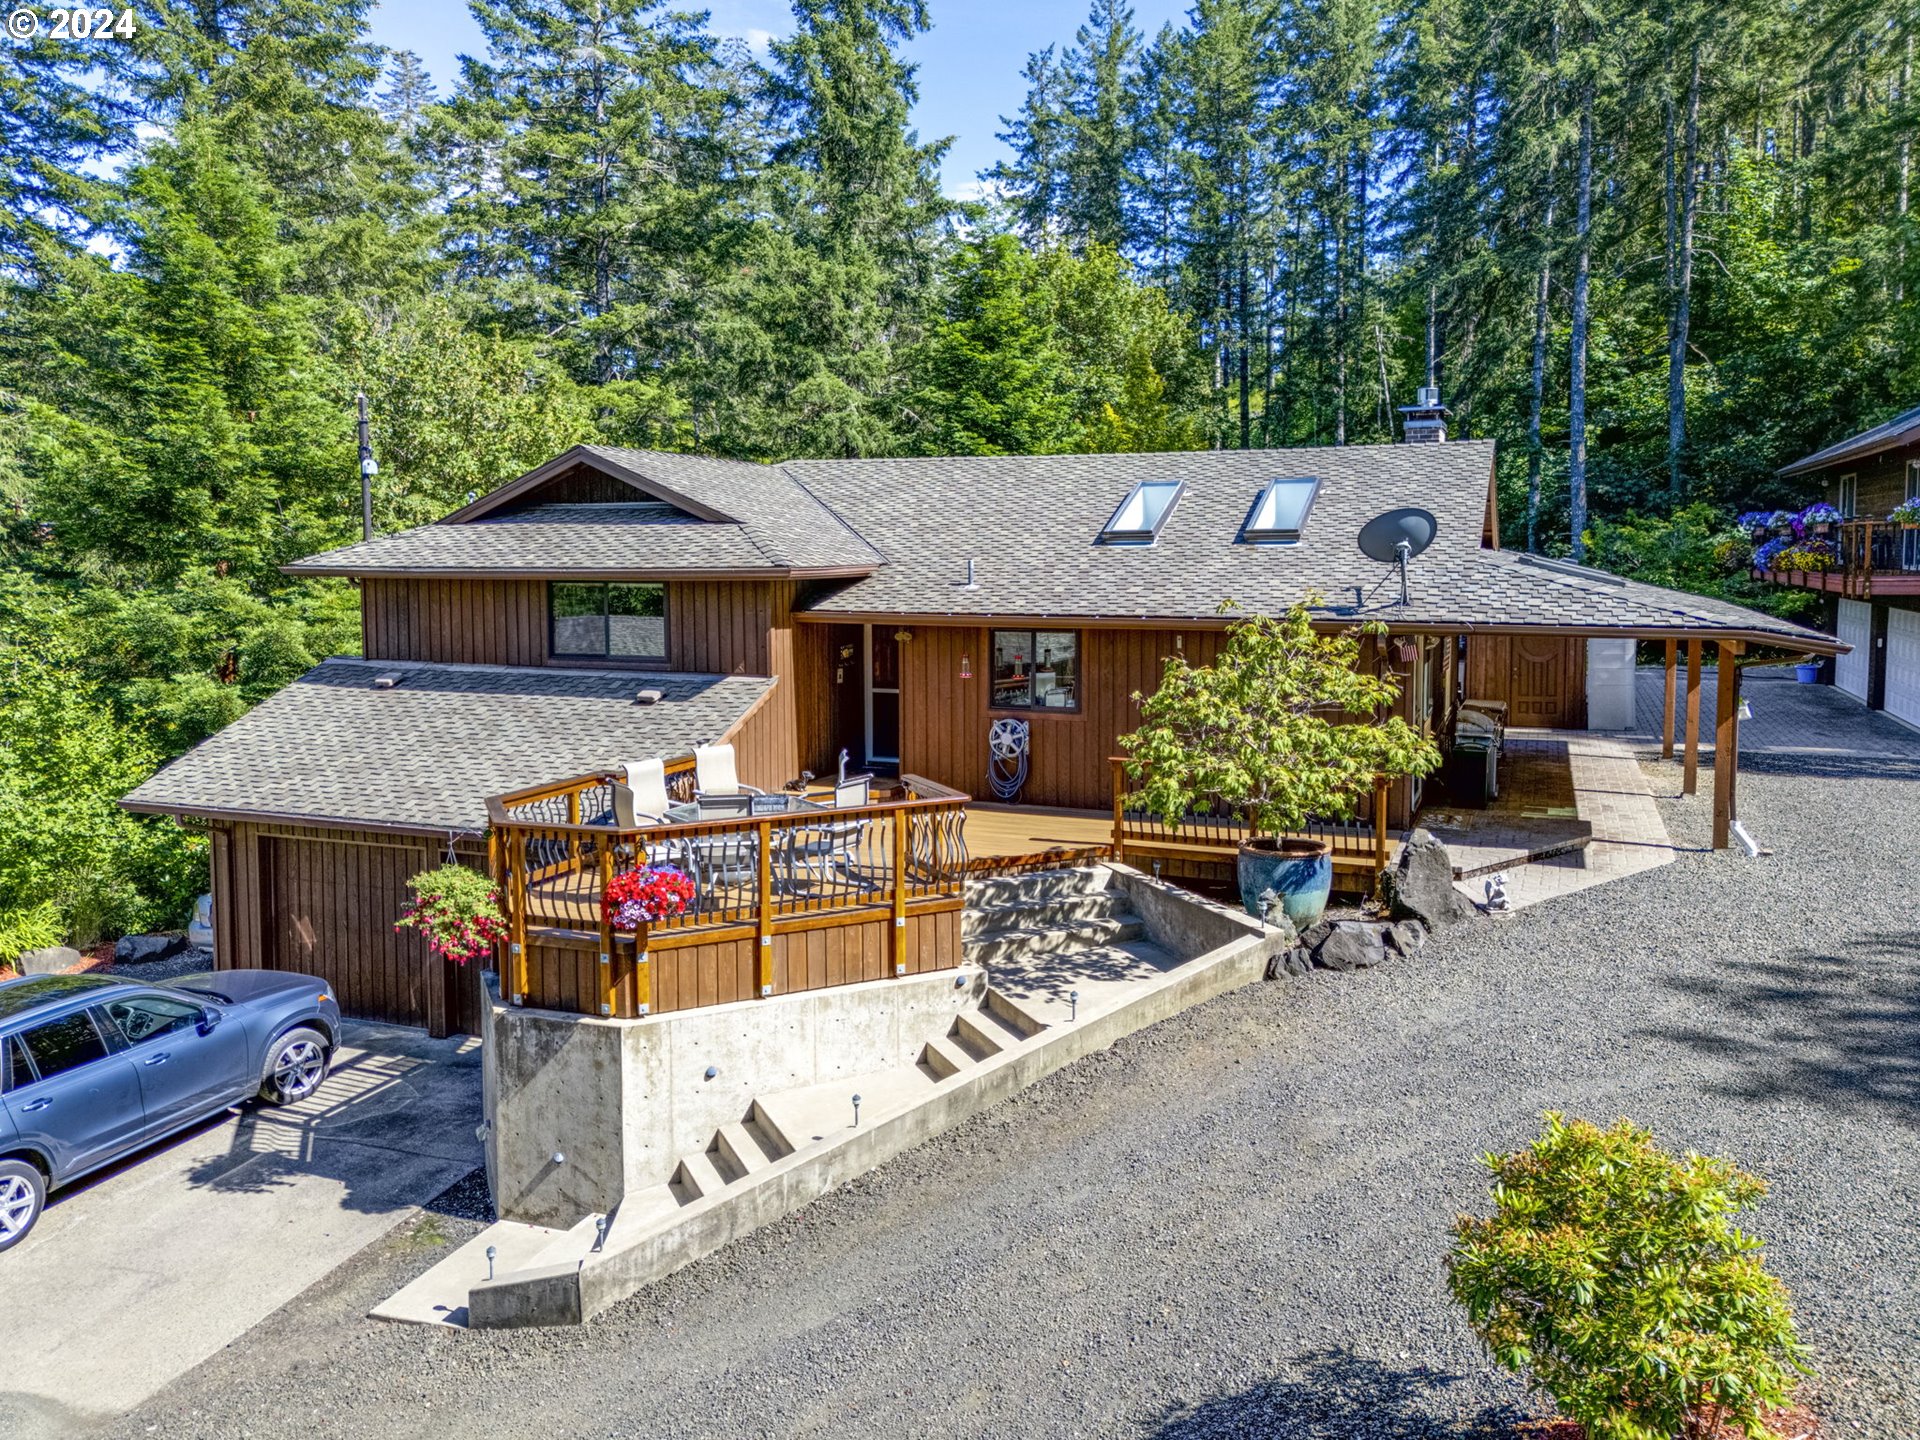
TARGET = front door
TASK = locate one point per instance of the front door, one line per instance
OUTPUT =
(186, 1067)
(1548, 681)
(846, 676)
(883, 697)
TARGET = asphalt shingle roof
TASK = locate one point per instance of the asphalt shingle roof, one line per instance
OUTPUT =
(427, 753)
(1902, 429)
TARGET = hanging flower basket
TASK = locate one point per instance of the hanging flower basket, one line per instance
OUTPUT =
(457, 912)
(637, 897)
(1907, 514)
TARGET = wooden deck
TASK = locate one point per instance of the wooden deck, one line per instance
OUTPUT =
(1014, 837)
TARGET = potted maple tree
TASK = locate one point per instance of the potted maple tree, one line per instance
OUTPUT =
(1283, 727)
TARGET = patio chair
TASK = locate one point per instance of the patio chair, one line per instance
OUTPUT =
(829, 851)
(647, 779)
(714, 773)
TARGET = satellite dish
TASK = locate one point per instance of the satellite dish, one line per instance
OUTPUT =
(1382, 536)
(1396, 537)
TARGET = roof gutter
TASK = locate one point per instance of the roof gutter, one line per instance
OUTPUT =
(310, 822)
(1805, 642)
(548, 572)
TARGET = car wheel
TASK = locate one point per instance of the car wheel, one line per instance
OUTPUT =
(296, 1064)
(23, 1190)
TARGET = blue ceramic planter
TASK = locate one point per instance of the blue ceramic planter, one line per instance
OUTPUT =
(1299, 871)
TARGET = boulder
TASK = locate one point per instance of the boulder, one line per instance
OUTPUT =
(145, 949)
(54, 960)
(1404, 937)
(1420, 885)
(1289, 962)
(1352, 945)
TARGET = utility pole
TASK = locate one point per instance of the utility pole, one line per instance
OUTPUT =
(368, 469)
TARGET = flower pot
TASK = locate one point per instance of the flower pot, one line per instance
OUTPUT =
(1300, 872)
(1807, 672)
(1822, 528)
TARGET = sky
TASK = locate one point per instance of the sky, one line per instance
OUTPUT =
(970, 61)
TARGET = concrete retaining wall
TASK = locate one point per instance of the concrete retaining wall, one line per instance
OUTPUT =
(623, 1100)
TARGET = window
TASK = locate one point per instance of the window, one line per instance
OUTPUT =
(1142, 513)
(1280, 513)
(19, 1069)
(1036, 670)
(148, 1017)
(63, 1044)
(1848, 503)
(612, 622)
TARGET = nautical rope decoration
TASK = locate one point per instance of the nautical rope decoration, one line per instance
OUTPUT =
(1007, 765)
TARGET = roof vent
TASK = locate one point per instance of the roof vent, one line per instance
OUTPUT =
(647, 697)
(387, 679)
(1569, 568)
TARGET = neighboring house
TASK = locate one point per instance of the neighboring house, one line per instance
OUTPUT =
(1874, 584)
(893, 608)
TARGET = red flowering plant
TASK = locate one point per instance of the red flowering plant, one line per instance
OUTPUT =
(647, 892)
(457, 912)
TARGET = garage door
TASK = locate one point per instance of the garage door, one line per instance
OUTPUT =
(329, 911)
(1856, 628)
(1903, 665)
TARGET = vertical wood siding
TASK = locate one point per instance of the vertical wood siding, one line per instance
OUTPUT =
(944, 719)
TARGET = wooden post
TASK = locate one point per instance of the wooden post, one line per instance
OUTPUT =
(1380, 793)
(1690, 765)
(765, 902)
(899, 892)
(642, 972)
(1666, 710)
(515, 845)
(609, 985)
(1726, 740)
(1119, 809)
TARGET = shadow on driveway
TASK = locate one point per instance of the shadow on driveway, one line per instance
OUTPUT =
(1337, 1395)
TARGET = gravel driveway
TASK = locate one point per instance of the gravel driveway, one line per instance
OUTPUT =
(1232, 1224)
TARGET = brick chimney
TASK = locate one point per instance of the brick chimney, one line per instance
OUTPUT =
(1426, 422)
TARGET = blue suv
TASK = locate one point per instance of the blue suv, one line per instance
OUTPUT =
(93, 1067)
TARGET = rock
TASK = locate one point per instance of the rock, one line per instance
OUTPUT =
(1273, 911)
(1353, 945)
(1311, 937)
(54, 960)
(200, 928)
(1420, 885)
(145, 949)
(1289, 962)
(1405, 937)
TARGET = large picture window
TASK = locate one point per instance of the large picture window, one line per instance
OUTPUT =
(609, 622)
(1036, 669)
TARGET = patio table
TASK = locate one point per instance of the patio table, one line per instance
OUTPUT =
(733, 856)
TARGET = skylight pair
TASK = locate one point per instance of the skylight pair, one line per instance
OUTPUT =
(1278, 515)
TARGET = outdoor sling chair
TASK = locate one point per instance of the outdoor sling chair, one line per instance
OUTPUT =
(714, 773)
(647, 779)
(826, 852)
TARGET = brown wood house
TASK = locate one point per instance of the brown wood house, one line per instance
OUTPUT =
(618, 604)
(1871, 589)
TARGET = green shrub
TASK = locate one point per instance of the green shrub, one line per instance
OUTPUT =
(1615, 1274)
(35, 928)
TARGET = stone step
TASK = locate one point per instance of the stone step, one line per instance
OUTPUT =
(1036, 885)
(439, 1297)
(1043, 987)
(1006, 945)
(980, 922)
(748, 1147)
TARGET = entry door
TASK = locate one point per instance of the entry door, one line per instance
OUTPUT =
(883, 696)
(846, 676)
(1548, 681)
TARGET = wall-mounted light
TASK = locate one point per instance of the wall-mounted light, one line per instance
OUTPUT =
(1180, 644)
(903, 636)
(966, 667)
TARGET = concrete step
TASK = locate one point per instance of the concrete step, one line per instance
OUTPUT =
(1037, 885)
(1012, 945)
(748, 1146)
(698, 1177)
(1015, 1016)
(945, 1056)
(439, 1297)
(780, 1138)
(1041, 987)
(984, 921)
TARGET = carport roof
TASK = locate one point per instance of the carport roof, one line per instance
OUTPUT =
(423, 755)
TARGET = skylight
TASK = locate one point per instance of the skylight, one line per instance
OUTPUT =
(1142, 513)
(1280, 514)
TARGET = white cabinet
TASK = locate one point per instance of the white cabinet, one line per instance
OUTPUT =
(1610, 684)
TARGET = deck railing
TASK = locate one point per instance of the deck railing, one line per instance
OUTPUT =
(1863, 548)
(1358, 846)
(758, 879)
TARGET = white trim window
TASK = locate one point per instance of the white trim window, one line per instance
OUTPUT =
(1848, 501)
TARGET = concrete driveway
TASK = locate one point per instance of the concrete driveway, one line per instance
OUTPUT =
(139, 1274)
